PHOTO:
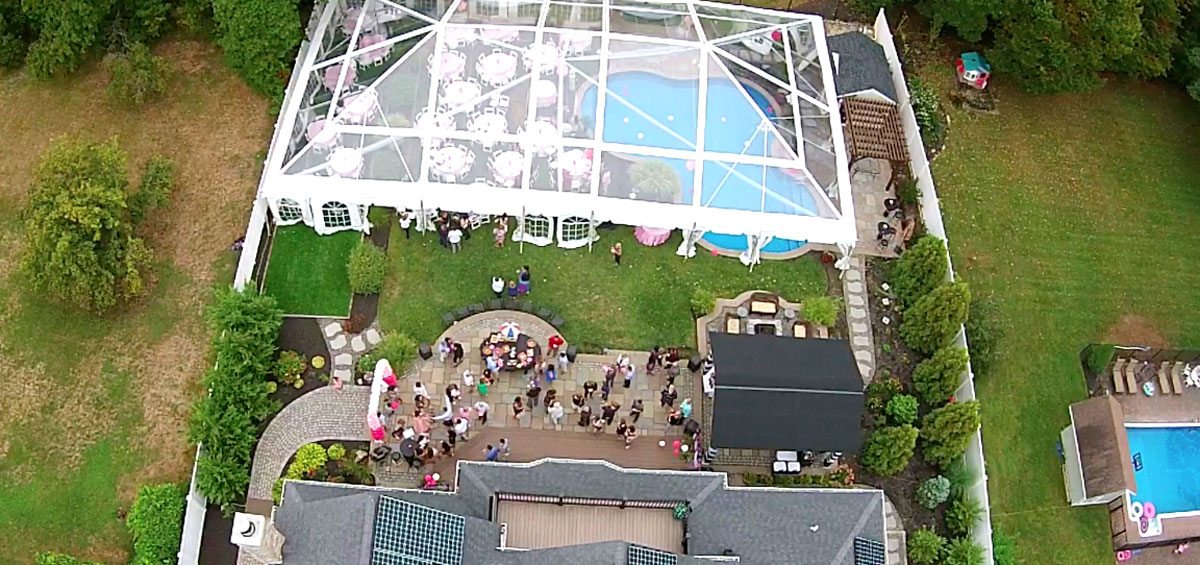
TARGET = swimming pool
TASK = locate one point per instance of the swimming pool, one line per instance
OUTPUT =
(1169, 457)
(650, 110)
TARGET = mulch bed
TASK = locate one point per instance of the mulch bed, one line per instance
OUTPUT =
(333, 469)
(365, 307)
(302, 335)
(215, 547)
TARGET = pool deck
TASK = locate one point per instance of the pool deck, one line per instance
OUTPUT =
(1125, 531)
(1161, 408)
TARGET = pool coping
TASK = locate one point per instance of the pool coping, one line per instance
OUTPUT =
(1159, 425)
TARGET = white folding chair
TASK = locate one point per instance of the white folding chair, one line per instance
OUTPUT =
(779, 467)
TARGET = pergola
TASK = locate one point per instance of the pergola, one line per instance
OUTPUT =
(688, 115)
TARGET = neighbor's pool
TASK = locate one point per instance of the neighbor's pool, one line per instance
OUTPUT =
(649, 110)
(1170, 466)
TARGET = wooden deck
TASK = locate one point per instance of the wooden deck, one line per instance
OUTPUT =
(531, 445)
(533, 525)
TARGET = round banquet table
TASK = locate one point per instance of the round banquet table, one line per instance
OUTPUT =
(507, 165)
(545, 91)
(453, 64)
(373, 56)
(346, 162)
(489, 123)
(523, 353)
(575, 162)
(351, 21)
(359, 106)
(543, 137)
(461, 93)
(576, 42)
(330, 76)
(501, 33)
(458, 36)
(451, 160)
(435, 120)
(651, 236)
(497, 67)
(321, 137)
(544, 54)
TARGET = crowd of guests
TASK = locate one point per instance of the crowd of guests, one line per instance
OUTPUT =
(453, 228)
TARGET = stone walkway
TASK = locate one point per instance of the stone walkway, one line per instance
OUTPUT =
(897, 544)
(345, 348)
(323, 414)
(858, 317)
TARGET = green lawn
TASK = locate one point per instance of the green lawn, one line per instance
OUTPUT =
(307, 272)
(1072, 211)
(642, 303)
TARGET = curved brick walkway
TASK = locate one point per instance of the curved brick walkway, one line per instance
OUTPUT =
(323, 414)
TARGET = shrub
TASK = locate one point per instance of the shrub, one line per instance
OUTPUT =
(137, 76)
(938, 377)
(309, 458)
(983, 333)
(1004, 549)
(156, 523)
(933, 492)
(289, 367)
(60, 559)
(277, 491)
(963, 551)
(880, 392)
(655, 181)
(946, 431)
(259, 38)
(909, 192)
(66, 30)
(961, 478)
(155, 189)
(962, 515)
(920, 269)
(399, 349)
(140, 21)
(702, 302)
(934, 320)
(925, 547)
(822, 310)
(336, 452)
(79, 241)
(12, 50)
(368, 268)
(888, 450)
(227, 421)
(1098, 356)
(902, 409)
(927, 109)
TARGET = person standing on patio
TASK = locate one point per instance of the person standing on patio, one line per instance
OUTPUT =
(589, 388)
(585, 415)
(491, 453)
(481, 411)
(498, 287)
(630, 372)
(597, 425)
(419, 390)
(556, 413)
(635, 411)
(622, 427)
(551, 397)
(655, 359)
(533, 392)
(505, 449)
(630, 435)
(686, 407)
(605, 390)
(461, 426)
(577, 402)
(406, 223)
(610, 375)
(485, 382)
(443, 349)
(455, 236)
(609, 411)
(668, 395)
(616, 253)
(456, 352)
(518, 408)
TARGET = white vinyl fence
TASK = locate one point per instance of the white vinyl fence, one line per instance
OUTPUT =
(931, 213)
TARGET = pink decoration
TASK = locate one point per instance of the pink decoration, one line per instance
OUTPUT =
(374, 423)
(691, 165)
(390, 379)
(1124, 555)
(714, 252)
(776, 35)
(1149, 510)
(1144, 523)
(377, 434)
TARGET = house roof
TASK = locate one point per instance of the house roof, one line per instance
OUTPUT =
(332, 523)
(861, 65)
(784, 393)
(1104, 454)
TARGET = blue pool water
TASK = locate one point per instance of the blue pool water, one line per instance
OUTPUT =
(1170, 459)
(666, 116)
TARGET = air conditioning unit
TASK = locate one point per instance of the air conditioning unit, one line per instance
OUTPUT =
(248, 530)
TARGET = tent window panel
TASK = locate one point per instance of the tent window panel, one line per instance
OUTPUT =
(590, 14)
(529, 10)
(576, 228)
(336, 215)
(290, 210)
(538, 227)
(486, 8)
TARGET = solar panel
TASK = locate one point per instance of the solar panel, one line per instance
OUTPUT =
(411, 534)
(869, 552)
(638, 555)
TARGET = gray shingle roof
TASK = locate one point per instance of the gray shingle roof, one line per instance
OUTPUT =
(328, 523)
(862, 65)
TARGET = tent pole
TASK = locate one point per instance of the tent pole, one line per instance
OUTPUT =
(521, 244)
(591, 228)
(689, 244)
(421, 219)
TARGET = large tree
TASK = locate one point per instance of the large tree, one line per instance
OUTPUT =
(80, 244)
(260, 39)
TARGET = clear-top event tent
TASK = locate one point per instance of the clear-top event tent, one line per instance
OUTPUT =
(689, 115)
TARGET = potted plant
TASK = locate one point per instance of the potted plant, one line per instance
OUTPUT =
(655, 181)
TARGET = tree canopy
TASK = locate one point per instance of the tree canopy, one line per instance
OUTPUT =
(80, 244)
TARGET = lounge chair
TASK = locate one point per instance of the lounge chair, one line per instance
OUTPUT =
(1118, 376)
(1163, 383)
(1131, 370)
(1176, 371)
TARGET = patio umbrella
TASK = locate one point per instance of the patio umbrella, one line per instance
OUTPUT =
(408, 448)
(510, 331)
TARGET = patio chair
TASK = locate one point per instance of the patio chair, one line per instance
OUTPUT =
(779, 467)
(1131, 382)
(1164, 371)
(1118, 376)
(1177, 386)
(733, 326)
(798, 330)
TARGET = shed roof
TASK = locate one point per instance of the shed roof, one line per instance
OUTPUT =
(1104, 455)
(862, 65)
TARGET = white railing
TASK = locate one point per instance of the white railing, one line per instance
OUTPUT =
(931, 214)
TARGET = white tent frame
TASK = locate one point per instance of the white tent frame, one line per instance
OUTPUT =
(830, 224)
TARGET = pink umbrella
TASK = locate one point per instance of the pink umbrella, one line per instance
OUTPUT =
(510, 331)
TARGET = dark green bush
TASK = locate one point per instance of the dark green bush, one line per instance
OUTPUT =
(137, 76)
(937, 377)
(909, 192)
(156, 524)
(227, 420)
(399, 349)
(822, 310)
(309, 458)
(925, 547)
(962, 515)
(963, 551)
(888, 450)
(1004, 549)
(158, 178)
(1099, 355)
(928, 111)
(368, 268)
(260, 38)
(935, 319)
(902, 409)
(961, 478)
(880, 392)
(983, 333)
(702, 302)
(12, 50)
(66, 30)
(920, 269)
(140, 21)
(946, 431)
